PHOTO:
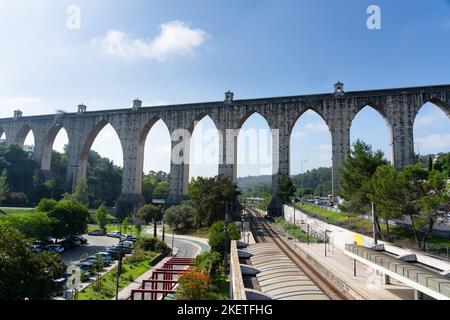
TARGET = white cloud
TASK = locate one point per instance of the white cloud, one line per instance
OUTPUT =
(430, 119)
(175, 39)
(434, 143)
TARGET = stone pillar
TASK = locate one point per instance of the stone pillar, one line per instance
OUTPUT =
(74, 174)
(402, 142)
(228, 153)
(131, 198)
(340, 140)
(179, 166)
(280, 165)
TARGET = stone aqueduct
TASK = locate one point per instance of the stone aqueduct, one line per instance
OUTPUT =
(398, 107)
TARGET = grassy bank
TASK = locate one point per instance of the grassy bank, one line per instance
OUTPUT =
(200, 233)
(296, 232)
(364, 226)
(107, 288)
(131, 230)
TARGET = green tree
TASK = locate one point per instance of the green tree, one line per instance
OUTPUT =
(102, 217)
(430, 163)
(209, 196)
(68, 218)
(26, 275)
(3, 185)
(384, 190)
(36, 225)
(218, 239)
(46, 205)
(286, 189)
(81, 193)
(150, 213)
(180, 216)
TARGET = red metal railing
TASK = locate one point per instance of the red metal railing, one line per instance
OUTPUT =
(169, 280)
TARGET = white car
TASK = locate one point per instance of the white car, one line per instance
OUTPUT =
(114, 234)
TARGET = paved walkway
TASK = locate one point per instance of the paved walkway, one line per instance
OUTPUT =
(367, 284)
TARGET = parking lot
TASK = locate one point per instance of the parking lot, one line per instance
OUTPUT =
(95, 244)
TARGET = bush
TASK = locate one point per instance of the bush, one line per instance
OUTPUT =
(192, 285)
(150, 244)
(217, 239)
(46, 205)
(32, 225)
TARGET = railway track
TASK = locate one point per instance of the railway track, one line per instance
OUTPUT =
(264, 232)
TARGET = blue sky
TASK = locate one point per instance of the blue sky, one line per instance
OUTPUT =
(188, 51)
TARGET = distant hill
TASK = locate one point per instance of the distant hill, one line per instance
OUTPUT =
(317, 181)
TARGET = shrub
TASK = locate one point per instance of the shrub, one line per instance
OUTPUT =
(46, 205)
(150, 244)
(217, 236)
(192, 285)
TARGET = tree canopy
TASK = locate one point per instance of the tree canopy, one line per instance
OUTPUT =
(24, 274)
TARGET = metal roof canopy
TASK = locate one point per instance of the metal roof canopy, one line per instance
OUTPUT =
(431, 283)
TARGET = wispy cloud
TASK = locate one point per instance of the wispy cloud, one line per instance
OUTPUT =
(175, 39)
(430, 119)
(434, 143)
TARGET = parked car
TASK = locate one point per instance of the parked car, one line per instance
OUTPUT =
(128, 243)
(130, 238)
(85, 276)
(43, 242)
(105, 256)
(57, 248)
(114, 253)
(67, 245)
(96, 232)
(125, 249)
(114, 234)
(82, 239)
(86, 265)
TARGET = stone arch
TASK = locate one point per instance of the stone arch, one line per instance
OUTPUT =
(22, 135)
(320, 149)
(140, 155)
(381, 112)
(301, 113)
(198, 118)
(433, 131)
(438, 103)
(193, 130)
(48, 145)
(87, 145)
(238, 136)
(247, 115)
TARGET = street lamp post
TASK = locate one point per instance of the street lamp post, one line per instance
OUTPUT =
(293, 206)
(326, 238)
(301, 182)
(119, 266)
